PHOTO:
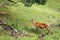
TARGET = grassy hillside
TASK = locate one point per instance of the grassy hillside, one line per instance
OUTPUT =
(21, 15)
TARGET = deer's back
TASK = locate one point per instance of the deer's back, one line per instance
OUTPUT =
(41, 25)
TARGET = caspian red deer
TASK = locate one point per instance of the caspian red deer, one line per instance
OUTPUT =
(40, 25)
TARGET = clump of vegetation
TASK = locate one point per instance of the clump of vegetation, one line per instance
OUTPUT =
(30, 2)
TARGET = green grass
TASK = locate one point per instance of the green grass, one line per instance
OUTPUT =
(21, 15)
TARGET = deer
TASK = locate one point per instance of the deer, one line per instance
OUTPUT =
(40, 25)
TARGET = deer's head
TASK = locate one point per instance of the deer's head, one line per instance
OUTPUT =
(33, 20)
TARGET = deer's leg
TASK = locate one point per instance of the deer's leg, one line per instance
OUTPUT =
(51, 31)
(48, 30)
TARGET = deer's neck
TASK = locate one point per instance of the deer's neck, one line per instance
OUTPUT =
(34, 22)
